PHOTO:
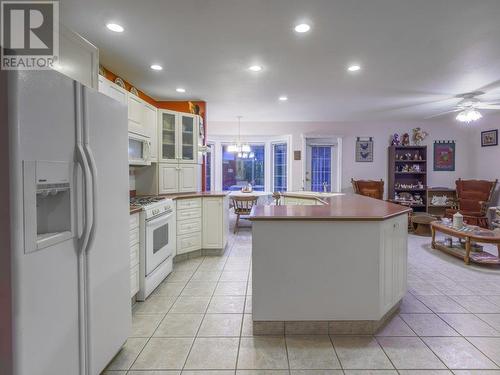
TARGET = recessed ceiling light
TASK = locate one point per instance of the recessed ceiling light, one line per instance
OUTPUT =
(354, 68)
(283, 98)
(180, 89)
(302, 28)
(156, 67)
(255, 68)
(115, 27)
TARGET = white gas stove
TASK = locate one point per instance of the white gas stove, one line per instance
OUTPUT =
(157, 241)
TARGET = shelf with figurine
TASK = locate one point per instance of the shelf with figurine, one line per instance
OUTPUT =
(439, 199)
(408, 170)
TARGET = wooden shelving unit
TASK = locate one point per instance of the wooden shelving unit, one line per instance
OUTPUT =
(408, 175)
(439, 210)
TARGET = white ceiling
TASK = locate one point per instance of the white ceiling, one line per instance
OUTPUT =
(413, 53)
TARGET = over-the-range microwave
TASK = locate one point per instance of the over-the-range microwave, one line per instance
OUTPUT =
(139, 149)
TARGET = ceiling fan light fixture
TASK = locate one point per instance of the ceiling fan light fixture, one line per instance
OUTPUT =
(469, 115)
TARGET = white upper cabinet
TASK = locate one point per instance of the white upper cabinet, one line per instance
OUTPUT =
(114, 91)
(135, 115)
(188, 142)
(78, 58)
(178, 137)
(149, 123)
(168, 133)
(189, 177)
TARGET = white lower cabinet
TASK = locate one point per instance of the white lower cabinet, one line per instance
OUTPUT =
(215, 225)
(188, 242)
(202, 223)
(134, 253)
(188, 225)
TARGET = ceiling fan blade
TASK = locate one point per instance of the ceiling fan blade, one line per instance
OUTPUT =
(443, 113)
(487, 106)
(490, 87)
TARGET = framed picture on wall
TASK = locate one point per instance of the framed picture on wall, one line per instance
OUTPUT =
(489, 138)
(444, 155)
(364, 149)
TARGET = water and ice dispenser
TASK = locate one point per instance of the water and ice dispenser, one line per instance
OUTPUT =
(48, 203)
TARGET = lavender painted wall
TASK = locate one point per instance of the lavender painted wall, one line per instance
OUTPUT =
(444, 129)
(486, 160)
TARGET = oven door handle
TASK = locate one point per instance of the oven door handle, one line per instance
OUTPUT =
(158, 219)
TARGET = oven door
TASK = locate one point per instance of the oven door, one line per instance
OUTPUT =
(139, 150)
(160, 240)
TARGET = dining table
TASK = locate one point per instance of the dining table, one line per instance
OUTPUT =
(263, 197)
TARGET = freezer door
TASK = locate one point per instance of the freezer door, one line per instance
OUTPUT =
(45, 289)
(109, 320)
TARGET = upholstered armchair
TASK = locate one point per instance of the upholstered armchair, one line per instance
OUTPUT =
(473, 199)
(369, 188)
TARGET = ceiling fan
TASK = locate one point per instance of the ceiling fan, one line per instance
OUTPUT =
(468, 107)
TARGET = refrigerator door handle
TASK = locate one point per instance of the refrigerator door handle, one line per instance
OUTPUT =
(83, 241)
(82, 159)
(93, 172)
(92, 165)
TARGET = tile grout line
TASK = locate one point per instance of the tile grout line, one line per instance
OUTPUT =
(242, 321)
(168, 310)
(205, 313)
(335, 351)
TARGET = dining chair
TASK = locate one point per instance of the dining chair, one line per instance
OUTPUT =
(242, 207)
(277, 198)
(369, 188)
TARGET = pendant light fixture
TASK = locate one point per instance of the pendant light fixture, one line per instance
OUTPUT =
(243, 150)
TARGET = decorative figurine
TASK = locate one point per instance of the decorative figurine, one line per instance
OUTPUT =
(395, 141)
(406, 140)
(418, 136)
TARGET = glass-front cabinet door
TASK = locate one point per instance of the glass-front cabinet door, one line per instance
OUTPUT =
(169, 137)
(188, 139)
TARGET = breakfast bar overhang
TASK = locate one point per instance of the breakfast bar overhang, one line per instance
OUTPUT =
(339, 266)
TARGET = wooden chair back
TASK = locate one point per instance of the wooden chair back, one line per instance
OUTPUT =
(474, 195)
(369, 188)
(243, 205)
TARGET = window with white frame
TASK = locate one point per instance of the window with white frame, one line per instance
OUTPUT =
(280, 166)
(209, 167)
(259, 167)
(239, 171)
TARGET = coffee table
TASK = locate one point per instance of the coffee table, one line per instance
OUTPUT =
(469, 234)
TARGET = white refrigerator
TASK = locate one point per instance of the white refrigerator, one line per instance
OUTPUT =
(69, 215)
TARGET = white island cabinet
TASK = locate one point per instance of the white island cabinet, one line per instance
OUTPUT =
(344, 262)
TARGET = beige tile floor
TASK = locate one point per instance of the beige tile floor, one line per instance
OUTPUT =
(199, 321)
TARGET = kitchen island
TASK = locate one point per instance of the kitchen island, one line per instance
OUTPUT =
(338, 266)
